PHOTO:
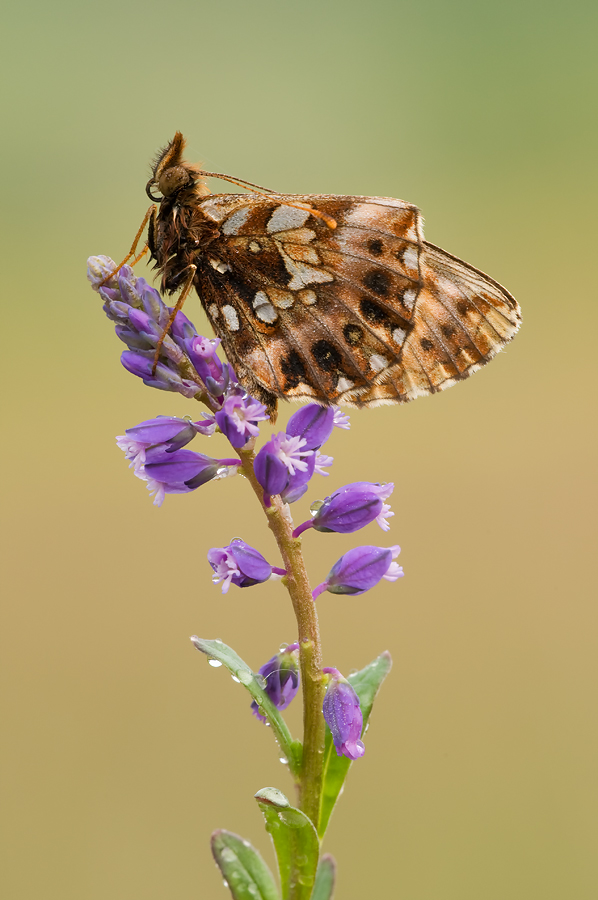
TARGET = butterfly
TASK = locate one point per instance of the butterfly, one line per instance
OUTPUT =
(319, 297)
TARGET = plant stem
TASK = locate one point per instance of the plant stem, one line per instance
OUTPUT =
(297, 583)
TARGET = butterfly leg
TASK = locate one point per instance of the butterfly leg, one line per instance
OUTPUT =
(179, 305)
(148, 217)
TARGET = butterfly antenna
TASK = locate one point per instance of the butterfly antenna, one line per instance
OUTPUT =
(240, 182)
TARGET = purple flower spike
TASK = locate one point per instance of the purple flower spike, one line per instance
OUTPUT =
(278, 461)
(313, 423)
(239, 564)
(238, 418)
(281, 674)
(342, 712)
(352, 507)
(361, 569)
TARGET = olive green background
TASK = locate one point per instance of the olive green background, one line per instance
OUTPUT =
(122, 748)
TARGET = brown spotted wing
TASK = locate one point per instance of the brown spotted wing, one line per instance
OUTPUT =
(326, 298)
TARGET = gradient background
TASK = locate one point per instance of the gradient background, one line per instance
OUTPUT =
(122, 749)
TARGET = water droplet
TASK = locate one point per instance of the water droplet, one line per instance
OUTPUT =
(284, 760)
(261, 681)
(316, 505)
(244, 676)
(283, 647)
(234, 678)
(214, 662)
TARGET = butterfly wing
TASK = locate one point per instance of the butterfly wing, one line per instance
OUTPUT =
(362, 313)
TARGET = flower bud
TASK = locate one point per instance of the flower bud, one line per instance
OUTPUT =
(239, 564)
(281, 676)
(313, 423)
(361, 569)
(350, 508)
(342, 712)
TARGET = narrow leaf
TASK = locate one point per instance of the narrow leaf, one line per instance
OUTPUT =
(240, 670)
(295, 841)
(367, 684)
(325, 878)
(246, 874)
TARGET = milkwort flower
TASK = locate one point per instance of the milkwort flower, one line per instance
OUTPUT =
(361, 569)
(240, 564)
(342, 712)
(314, 423)
(281, 679)
(239, 416)
(180, 471)
(278, 461)
(350, 508)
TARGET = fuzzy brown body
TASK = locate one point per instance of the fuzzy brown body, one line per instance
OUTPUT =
(326, 298)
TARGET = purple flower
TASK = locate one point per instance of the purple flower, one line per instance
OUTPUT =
(278, 461)
(239, 564)
(165, 378)
(238, 418)
(313, 423)
(342, 712)
(350, 508)
(361, 569)
(281, 676)
(179, 471)
(167, 431)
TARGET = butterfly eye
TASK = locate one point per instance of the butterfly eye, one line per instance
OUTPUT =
(173, 179)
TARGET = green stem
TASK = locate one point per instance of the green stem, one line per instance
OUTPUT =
(297, 584)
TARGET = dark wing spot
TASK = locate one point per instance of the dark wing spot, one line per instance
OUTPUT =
(326, 356)
(376, 247)
(292, 367)
(378, 281)
(447, 331)
(427, 344)
(462, 307)
(372, 312)
(353, 334)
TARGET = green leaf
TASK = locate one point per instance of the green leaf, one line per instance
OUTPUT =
(325, 878)
(367, 684)
(295, 841)
(245, 872)
(226, 656)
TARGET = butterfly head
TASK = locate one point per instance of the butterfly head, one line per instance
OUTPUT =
(172, 175)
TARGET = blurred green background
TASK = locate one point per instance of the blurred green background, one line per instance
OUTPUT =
(122, 748)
